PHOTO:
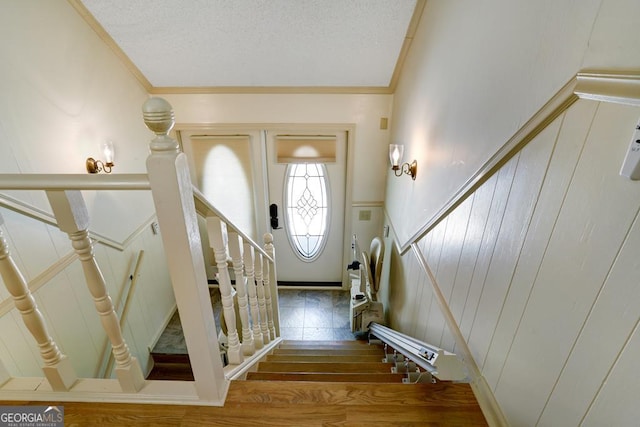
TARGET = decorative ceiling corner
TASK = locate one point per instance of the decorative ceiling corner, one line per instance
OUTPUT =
(258, 46)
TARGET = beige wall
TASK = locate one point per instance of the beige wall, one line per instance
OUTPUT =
(537, 266)
(477, 71)
(370, 146)
(63, 93)
(364, 111)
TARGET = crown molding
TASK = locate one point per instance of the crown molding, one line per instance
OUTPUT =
(106, 38)
(406, 45)
(349, 90)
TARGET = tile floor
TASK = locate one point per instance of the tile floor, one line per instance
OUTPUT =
(304, 315)
(314, 315)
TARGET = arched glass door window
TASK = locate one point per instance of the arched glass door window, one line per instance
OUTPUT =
(307, 208)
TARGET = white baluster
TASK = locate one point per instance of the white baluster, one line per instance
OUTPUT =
(235, 251)
(172, 195)
(267, 297)
(273, 282)
(218, 239)
(73, 219)
(249, 260)
(57, 367)
(261, 299)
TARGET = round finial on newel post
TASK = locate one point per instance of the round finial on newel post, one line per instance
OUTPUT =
(158, 116)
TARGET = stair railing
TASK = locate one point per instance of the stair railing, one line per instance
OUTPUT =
(255, 275)
(170, 181)
(175, 201)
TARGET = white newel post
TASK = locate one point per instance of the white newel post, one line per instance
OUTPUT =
(57, 367)
(73, 218)
(262, 304)
(272, 282)
(235, 251)
(249, 256)
(218, 240)
(173, 198)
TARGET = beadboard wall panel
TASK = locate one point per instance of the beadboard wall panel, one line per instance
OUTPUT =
(481, 204)
(604, 339)
(530, 170)
(594, 219)
(487, 244)
(567, 149)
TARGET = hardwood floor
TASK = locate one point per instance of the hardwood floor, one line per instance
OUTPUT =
(290, 388)
(274, 403)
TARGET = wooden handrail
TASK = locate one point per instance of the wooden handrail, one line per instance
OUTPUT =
(126, 181)
(110, 182)
(205, 208)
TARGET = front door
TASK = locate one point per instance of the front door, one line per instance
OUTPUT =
(307, 179)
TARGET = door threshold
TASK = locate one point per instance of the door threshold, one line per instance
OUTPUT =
(309, 285)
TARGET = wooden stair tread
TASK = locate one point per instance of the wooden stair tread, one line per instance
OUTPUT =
(325, 352)
(325, 347)
(326, 377)
(323, 358)
(326, 344)
(364, 367)
(444, 394)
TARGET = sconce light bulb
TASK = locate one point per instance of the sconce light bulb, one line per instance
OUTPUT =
(395, 154)
(109, 152)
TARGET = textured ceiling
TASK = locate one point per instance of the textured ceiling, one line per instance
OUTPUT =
(259, 43)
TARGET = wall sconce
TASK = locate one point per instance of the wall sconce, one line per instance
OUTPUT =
(95, 166)
(395, 155)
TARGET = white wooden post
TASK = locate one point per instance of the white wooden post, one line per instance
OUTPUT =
(272, 282)
(73, 218)
(249, 257)
(57, 367)
(267, 297)
(235, 251)
(218, 240)
(261, 298)
(173, 198)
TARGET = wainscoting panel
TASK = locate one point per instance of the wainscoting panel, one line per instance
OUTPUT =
(539, 268)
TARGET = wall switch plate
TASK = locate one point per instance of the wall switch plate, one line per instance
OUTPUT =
(631, 164)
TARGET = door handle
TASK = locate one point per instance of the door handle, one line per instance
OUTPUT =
(273, 214)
